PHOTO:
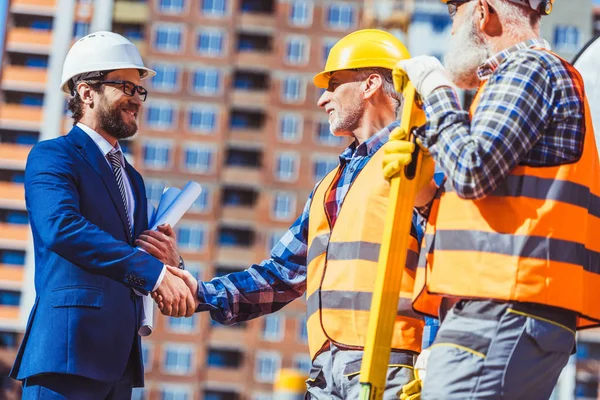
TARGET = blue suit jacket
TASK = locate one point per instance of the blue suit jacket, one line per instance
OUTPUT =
(85, 317)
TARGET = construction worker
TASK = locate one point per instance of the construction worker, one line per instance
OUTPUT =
(511, 248)
(331, 251)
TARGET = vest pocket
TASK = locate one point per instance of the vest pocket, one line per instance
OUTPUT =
(77, 296)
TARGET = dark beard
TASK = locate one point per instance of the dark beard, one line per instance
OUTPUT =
(111, 121)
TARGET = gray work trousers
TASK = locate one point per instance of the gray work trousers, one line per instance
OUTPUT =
(491, 350)
(335, 374)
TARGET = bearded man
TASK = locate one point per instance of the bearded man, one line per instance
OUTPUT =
(86, 206)
(512, 246)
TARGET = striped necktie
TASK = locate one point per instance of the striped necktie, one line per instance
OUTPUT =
(114, 157)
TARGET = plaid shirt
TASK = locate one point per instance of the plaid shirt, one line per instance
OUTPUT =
(266, 287)
(529, 113)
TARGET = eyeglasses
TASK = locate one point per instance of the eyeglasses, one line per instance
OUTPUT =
(129, 88)
(453, 6)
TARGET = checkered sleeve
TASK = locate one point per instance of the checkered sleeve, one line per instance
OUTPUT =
(263, 288)
(514, 109)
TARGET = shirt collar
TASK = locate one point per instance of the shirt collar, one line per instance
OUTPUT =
(369, 146)
(486, 69)
(102, 143)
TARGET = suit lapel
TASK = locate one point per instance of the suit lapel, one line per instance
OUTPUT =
(140, 215)
(90, 151)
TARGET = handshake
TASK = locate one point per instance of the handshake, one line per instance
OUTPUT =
(176, 296)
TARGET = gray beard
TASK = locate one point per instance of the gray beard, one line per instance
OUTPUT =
(466, 53)
(349, 121)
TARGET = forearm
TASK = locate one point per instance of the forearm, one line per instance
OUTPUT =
(259, 290)
(456, 151)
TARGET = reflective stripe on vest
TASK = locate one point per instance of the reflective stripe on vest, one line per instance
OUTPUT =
(534, 239)
(342, 266)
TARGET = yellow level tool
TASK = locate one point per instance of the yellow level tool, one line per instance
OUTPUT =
(392, 256)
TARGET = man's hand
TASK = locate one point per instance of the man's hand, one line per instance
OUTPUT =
(412, 390)
(161, 244)
(426, 74)
(190, 282)
(398, 154)
(176, 298)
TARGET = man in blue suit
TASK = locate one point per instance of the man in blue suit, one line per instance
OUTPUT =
(86, 206)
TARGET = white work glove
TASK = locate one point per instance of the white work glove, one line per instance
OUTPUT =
(426, 74)
(421, 363)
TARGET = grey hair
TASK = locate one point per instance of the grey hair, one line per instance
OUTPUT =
(388, 84)
(521, 19)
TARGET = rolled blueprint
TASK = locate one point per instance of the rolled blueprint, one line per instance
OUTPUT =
(173, 204)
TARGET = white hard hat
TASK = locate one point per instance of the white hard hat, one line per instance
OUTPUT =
(101, 51)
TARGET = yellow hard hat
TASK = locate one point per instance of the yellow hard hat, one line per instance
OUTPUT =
(366, 48)
(544, 7)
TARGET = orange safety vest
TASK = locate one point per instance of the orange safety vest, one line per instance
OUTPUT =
(342, 266)
(534, 239)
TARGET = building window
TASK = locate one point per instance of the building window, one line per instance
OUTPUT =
(292, 90)
(567, 37)
(301, 13)
(206, 81)
(290, 127)
(198, 158)
(202, 118)
(302, 329)
(325, 137)
(322, 166)
(297, 50)
(273, 239)
(160, 115)
(170, 6)
(302, 362)
(273, 327)
(191, 237)
(224, 358)
(340, 16)
(210, 42)
(267, 366)
(168, 37)
(214, 8)
(166, 78)
(81, 29)
(202, 202)
(178, 359)
(138, 394)
(175, 392)
(284, 204)
(147, 355)
(10, 298)
(154, 190)
(327, 45)
(12, 257)
(157, 153)
(182, 325)
(286, 168)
